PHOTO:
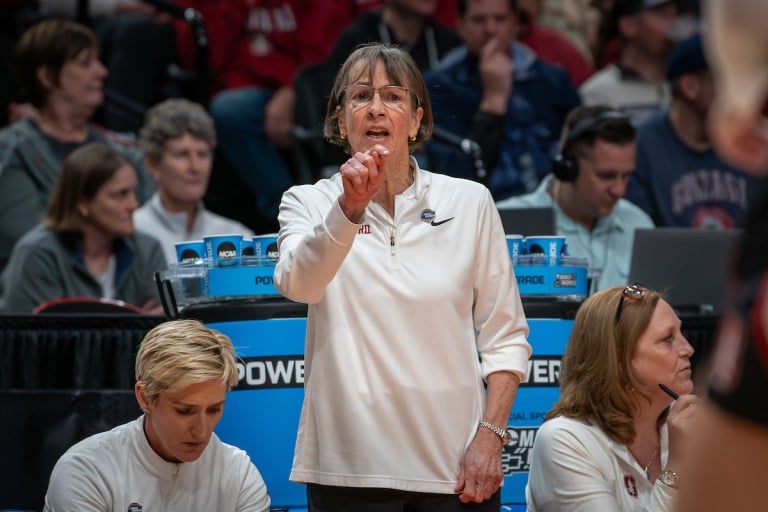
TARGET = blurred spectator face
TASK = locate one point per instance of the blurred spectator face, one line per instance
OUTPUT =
(183, 171)
(653, 29)
(424, 8)
(486, 20)
(699, 91)
(111, 209)
(604, 173)
(81, 81)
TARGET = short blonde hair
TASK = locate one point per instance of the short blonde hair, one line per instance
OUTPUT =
(179, 353)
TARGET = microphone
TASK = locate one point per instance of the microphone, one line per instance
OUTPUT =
(465, 145)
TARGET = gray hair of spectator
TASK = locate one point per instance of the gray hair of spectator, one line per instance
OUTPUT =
(48, 44)
(614, 130)
(174, 118)
(180, 353)
(83, 173)
(461, 6)
(400, 69)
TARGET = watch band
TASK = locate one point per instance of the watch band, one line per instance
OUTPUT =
(669, 478)
(501, 432)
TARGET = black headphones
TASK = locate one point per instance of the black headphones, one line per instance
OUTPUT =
(565, 166)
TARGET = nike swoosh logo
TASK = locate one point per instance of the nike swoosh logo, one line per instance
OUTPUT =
(434, 223)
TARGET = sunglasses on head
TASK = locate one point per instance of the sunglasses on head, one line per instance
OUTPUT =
(633, 291)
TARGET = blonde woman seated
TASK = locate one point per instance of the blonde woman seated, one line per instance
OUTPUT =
(612, 442)
(168, 458)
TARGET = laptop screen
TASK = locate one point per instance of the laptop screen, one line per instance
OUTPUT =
(528, 221)
(689, 266)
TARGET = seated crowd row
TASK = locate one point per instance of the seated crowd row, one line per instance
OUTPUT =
(520, 109)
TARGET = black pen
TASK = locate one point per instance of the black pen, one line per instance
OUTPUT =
(668, 391)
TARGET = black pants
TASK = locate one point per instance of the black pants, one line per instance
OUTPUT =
(325, 498)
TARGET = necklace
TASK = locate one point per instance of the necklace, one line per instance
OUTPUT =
(650, 461)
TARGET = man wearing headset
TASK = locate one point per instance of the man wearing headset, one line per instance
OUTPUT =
(586, 189)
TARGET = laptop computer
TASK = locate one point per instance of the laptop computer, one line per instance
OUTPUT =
(528, 221)
(690, 266)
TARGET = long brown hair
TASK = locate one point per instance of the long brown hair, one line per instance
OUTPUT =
(83, 173)
(597, 384)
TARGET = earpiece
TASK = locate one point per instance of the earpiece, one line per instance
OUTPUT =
(565, 166)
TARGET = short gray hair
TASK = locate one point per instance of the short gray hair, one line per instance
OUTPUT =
(173, 118)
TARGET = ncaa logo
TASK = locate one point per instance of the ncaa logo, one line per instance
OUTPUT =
(226, 251)
(189, 254)
(272, 251)
(516, 457)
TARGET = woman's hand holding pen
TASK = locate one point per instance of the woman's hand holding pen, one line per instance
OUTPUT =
(680, 422)
(362, 176)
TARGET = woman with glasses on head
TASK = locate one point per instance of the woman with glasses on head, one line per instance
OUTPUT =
(408, 279)
(612, 442)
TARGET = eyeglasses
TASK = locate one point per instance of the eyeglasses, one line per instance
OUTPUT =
(391, 95)
(633, 291)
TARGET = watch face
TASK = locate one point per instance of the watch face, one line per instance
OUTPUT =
(669, 478)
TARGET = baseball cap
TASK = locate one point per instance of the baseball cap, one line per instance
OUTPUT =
(686, 57)
(630, 7)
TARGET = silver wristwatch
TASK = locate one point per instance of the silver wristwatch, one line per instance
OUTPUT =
(669, 478)
(503, 433)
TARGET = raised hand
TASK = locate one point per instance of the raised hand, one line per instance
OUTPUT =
(362, 176)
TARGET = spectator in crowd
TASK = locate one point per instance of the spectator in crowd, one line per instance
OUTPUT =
(256, 46)
(550, 45)
(178, 139)
(586, 189)
(577, 20)
(728, 453)
(614, 439)
(371, 251)
(635, 83)
(169, 458)
(137, 45)
(679, 179)
(87, 245)
(59, 70)
(409, 24)
(495, 91)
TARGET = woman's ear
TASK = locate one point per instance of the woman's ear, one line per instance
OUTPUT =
(45, 76)
(141, 397)
(341, 123)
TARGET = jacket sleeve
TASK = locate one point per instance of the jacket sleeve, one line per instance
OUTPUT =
(313, 244)
(498, 311)
(30, 279)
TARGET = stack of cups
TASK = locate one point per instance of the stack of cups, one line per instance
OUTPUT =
(537, 249)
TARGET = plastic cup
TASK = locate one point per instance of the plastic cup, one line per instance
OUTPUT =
(224, 250)
(551, 248)
(265, 248)
(190, 250)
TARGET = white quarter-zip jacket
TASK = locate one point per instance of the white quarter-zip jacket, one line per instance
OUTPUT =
(118, 470)
(399, 310)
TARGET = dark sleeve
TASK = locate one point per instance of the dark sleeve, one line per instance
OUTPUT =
(31, 278)
(640, 189)
(488, 131)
